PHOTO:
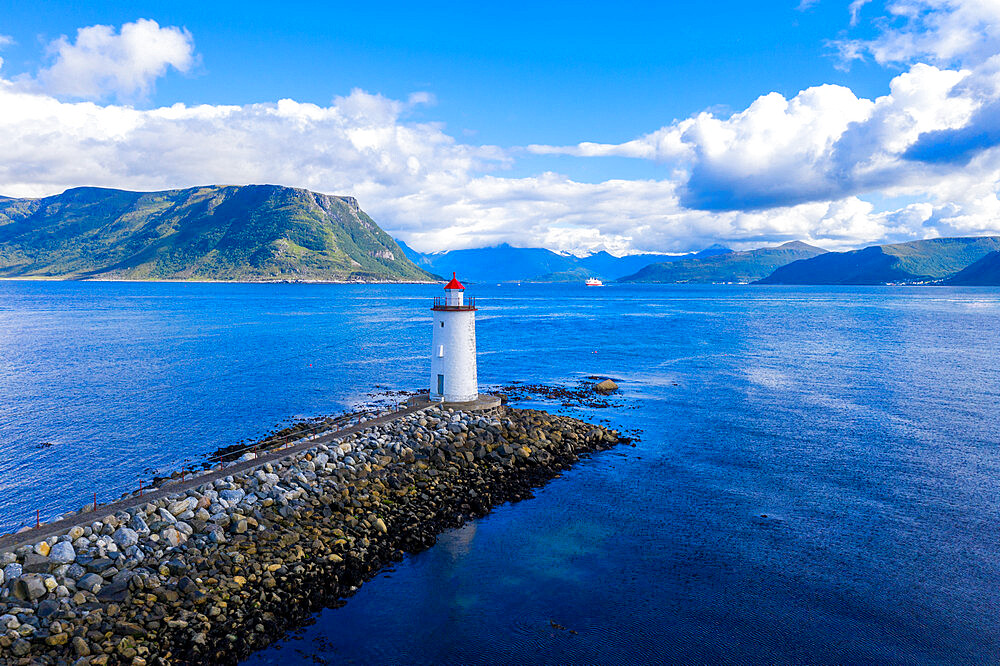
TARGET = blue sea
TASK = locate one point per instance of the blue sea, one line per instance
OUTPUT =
(816, 479)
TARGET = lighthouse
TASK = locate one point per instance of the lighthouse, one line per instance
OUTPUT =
(453, 346)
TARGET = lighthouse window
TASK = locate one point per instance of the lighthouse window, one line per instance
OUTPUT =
(442, 324)
(441, 351)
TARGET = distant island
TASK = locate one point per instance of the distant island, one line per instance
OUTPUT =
(217, 232)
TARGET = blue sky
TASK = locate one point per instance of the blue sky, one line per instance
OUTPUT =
(502, 73)
(500, 148)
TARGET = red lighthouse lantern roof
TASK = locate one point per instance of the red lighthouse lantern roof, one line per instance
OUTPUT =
(454, 284)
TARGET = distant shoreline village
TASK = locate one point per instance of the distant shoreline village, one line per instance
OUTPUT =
(208, 569)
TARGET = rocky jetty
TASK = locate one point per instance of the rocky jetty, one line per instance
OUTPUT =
(210, 574)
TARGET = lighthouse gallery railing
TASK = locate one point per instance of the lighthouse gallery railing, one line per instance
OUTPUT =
(440, 303)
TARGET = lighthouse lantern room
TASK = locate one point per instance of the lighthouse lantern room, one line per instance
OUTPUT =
(453, 346)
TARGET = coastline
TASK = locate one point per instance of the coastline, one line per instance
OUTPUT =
(212, 573)
(32, 278)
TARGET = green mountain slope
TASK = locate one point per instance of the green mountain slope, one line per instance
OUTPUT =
(252, 232)
(983, 273)
(740, 267)
(916, 261)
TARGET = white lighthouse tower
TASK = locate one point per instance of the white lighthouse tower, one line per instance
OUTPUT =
(453, 346)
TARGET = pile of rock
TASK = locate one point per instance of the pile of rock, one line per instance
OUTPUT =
(213, 573)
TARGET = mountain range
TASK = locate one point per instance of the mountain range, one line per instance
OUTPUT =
(270, 232)
(740, 267)
(505, 263)
(217, 232)
(925, 261)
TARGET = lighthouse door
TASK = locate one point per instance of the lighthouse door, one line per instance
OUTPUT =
(440, 384)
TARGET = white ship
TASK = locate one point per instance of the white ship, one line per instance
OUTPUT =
(593, 282)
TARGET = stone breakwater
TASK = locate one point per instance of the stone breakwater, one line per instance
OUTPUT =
(214, 573)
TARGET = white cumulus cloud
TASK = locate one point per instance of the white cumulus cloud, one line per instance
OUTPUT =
(823, 144)
(103, 62)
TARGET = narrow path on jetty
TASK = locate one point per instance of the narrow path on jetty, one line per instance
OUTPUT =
(34, 535)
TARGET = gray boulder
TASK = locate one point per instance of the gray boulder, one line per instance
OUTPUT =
(30, 587)
(12, 571)
(35, 563)
(20, 647)
(125, 537)
(172, 537)
(179, 507)
(138, 524)
(62, 553)
(90, 583)
(99, 565)
(46, 608)
(75, 571)
(232, 496)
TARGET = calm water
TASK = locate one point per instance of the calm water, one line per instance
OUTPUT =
(818, 477)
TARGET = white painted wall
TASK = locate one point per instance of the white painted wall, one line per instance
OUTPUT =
(453, 354)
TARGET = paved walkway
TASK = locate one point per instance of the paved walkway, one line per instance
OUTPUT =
(34, 535)
(483, 402)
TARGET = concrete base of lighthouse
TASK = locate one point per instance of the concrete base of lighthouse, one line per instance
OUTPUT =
(483, 402)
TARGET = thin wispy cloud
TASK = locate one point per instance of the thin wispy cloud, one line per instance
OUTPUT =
(943, 32)
(5, 40)
(855, 10)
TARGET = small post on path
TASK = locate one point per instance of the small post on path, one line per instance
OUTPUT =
(95, 501)
(140, 487)
(38, 518)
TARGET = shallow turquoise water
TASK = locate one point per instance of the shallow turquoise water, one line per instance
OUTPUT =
(816, 480)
